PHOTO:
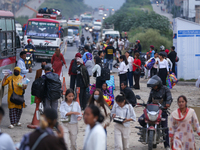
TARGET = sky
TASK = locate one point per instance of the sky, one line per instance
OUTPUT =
(116, 4)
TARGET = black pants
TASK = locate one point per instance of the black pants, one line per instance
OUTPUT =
(137, 80)
(82, 98)
(99, 83)
(163, 125)
(73, 82)
(122, 78)
(163, 75)
(173, 68)
(153, 71)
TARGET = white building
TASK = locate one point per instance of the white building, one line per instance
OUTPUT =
(189, 7)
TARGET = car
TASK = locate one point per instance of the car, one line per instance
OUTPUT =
(97, 26)
(100, 12)
(70, 37)
(113, 34)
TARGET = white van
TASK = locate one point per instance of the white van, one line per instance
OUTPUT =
(104, 31)
(97, 26)
(70, 37)
(113, 34)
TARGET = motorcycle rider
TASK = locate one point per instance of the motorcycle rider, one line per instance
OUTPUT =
(87, 42)
(30, 46)
(162, 93)
(82, 39)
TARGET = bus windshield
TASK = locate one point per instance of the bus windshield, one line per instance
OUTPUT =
(44, 29)
(70, 33)
(86, 19)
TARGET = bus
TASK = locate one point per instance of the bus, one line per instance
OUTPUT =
(47, 33)
(10, 46)
(75, 26)
(86, 19)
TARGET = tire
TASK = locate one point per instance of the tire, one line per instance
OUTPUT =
(150, 141)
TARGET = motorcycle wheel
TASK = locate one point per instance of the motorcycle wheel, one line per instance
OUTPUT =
(150, 142)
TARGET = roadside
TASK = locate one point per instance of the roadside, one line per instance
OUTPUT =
(24, 11)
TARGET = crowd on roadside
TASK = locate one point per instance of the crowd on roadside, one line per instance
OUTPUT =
(97, 114)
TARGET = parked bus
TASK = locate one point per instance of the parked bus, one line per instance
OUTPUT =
(10, 46)
(47, 33)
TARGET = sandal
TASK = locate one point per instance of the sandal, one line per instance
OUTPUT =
(18, 124)
(11, 126)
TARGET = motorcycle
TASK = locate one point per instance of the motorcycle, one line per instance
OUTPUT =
(29, 58)
(81, 50)
(152, 133)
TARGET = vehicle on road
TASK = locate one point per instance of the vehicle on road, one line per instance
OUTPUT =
(29, 58)
(70, 37)
(75, 25)
(100, 12)
(152, 133)
(86, 20)
(10, 46)
(97, 25)
(113, 34)
(47, 33)
(19, 30)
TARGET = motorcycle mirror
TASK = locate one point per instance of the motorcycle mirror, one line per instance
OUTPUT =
(138, 97)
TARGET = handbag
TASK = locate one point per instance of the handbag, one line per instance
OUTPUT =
(16, 99)
(137, 71)
(67, 118)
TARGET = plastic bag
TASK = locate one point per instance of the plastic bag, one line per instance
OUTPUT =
(32, 99)
(109, 100)
(168, 82)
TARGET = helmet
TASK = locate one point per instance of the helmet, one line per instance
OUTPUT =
(138, 41)
(154, 81)
(162, 48)
(125, 32)
(29, 41)
(88, 37)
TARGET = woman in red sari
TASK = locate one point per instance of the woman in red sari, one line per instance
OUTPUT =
(181, 125)
(57, 62)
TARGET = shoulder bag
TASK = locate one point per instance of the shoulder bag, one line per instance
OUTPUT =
(16, 99)
(67, 118)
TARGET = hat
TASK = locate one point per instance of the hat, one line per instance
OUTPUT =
(151, 46)
(78, 55)
(167, 51)
(80, 60)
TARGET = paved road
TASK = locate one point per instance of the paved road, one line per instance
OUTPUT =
(24, 11)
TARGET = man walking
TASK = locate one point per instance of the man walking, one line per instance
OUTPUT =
(86, 49)
(172, 56)
(40, 72)
(109, 51)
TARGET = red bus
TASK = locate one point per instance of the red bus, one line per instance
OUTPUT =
(9, 44)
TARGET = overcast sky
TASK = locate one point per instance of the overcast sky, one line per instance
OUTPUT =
(116, 4)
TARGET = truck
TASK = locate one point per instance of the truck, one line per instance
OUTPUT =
(97, 25)
(86, 20)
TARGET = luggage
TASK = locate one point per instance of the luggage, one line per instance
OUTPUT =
(111, 82)
(38, 88)
(53, 85)
(150, 63)
(105, 74)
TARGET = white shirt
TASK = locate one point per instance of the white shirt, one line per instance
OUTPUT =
(130, 63)
(21, 65)
(123, 68)
(43, 72)
(95, 138)
(65, 108)
(163, 64)
(76, 38)
(98, 69)
(169, 63)
(126, 112)
(120, 44)
(6, 142)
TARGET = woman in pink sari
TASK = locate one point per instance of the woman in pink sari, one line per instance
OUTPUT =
(181, 125)
(57, 62)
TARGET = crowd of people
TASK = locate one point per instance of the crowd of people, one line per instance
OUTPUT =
(97, 115)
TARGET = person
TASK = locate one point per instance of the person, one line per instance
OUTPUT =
(121, 45)
(172, 56)
(109, 51)
(73, 71)
(123, 69)
(57, 62)
(6, 141)
(87, 42)
(82, 39)
(48, 122)
(122, 131)
(21, 64)
(89, 64)
(125, 35)
(98, 100)
(101, 56)
(15, 110)
(51, 79)
(181, 124)
(82, 82)
(170, 65)
(136, 65)
(105, 90)
(86, 49)
(163, 68)
(29, 45)
(40, 72)
(130, 69)
(97, 72)
(139, 47)
(162, 93)
(129, 94)
(77, 40)
(126, 43)
(154, 69)
(95, 136)
(152, 51)
(71, 109)
(115, 45)
(167, 51)
(148, 58)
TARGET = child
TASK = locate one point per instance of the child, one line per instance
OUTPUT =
(123, 109)
(70, 115)
(105, 90)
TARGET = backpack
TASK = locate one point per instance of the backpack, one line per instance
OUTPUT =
(105, 73)
(53, 86)
(74, 67)
(38, 88)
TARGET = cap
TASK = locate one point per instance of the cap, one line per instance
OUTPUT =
(151, 46)
(47, 68)
(78, 55)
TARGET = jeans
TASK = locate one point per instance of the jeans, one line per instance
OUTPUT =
(77, 44)
(164, 124)
(110, 62)
(51, 104)
(130, 78)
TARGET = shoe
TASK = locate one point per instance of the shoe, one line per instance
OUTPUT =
(11, 126)
(18, 124)
(168, 148)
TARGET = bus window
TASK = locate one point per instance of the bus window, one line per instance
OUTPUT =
(9, 24)
(9, 41)
(3, 41)
(3, 24)
(18, 45)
